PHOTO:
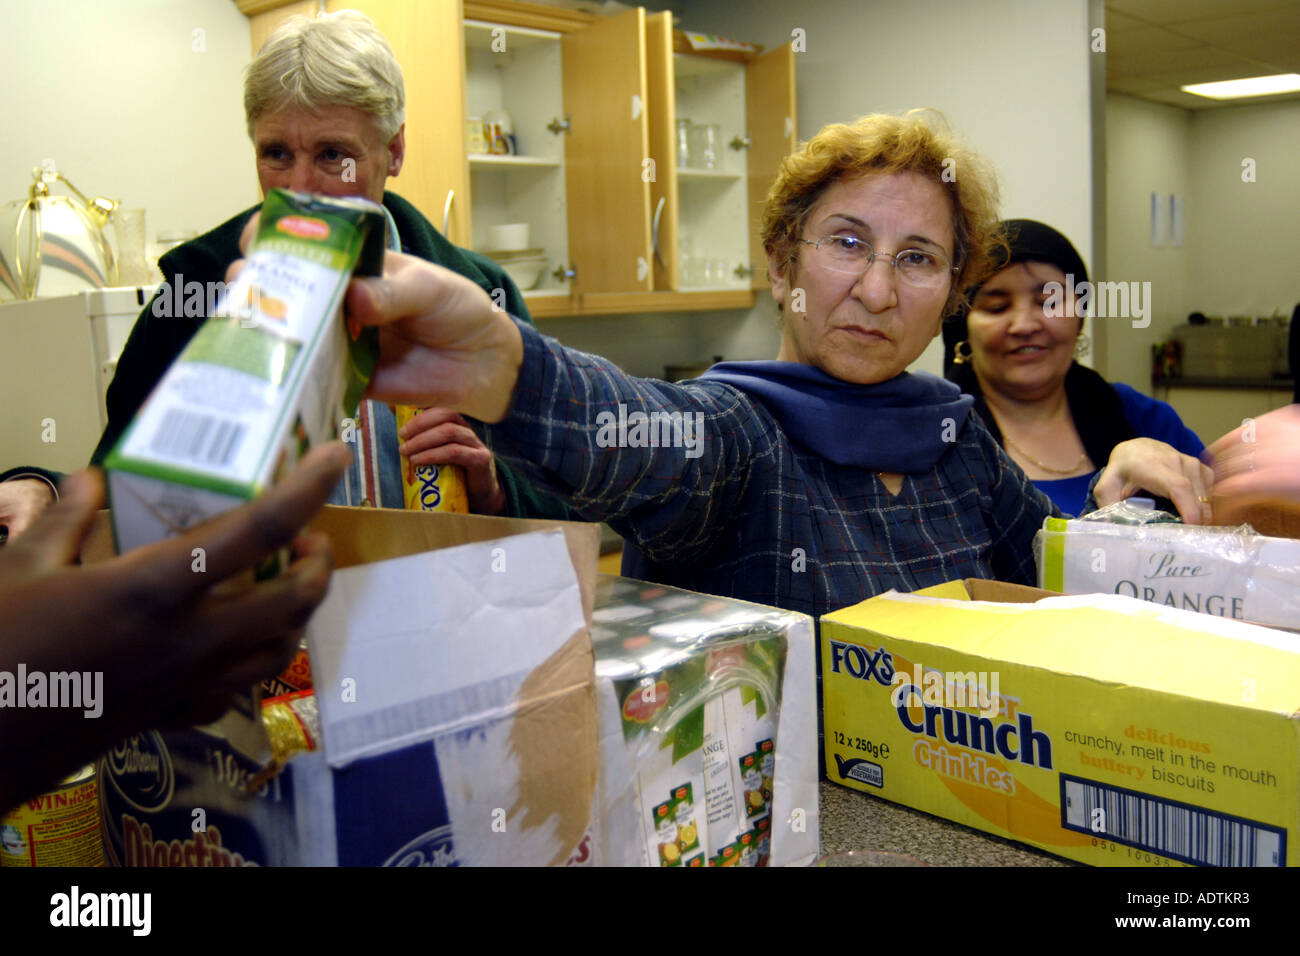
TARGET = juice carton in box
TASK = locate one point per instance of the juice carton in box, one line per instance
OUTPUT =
(698, 683)
(1104, 729)
(270, 374)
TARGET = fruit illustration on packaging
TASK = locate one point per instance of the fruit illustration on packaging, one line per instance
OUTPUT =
(269, 305)
(686, 836)
(666, 829)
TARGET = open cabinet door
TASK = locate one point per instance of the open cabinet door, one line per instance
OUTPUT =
(773, 130)
(605, 153)
(428, 42)
(663, 149)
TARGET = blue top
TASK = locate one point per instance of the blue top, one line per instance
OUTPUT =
(713, 494)
(1150, 418)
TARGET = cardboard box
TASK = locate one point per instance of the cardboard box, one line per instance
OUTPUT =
(1104, 729)
(707, 719)
(1276, 519)
(454, 675)
(1226, 572)
(272, 373)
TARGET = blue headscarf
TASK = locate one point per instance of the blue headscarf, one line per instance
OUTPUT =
(903, 425)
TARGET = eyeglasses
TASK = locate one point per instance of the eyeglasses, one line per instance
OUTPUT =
(849, 255)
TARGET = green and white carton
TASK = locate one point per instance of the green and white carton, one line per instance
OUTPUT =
(686, 684)
(272, 373)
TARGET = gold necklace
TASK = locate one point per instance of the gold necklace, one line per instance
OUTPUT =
(1047, 468)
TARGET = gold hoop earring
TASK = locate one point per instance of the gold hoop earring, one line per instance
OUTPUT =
(958, 356)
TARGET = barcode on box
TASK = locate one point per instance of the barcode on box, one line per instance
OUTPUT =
(195, 437)
(1177, 830)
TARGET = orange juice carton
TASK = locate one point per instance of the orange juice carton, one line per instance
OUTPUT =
(271, 373)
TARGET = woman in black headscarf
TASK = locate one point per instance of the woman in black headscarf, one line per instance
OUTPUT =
(1014, 352)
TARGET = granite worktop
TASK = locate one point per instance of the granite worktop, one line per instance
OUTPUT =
(858, 821)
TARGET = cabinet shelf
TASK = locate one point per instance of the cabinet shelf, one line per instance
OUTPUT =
(684, 172)
(499, 37)
(544, 306)
(498, 161)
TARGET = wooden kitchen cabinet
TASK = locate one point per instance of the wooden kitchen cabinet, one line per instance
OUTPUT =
(516, 71)
(608, 202)
(609, 193)
(709, 226)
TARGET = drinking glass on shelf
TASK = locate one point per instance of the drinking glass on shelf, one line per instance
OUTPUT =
(703, 141)
(692, 269)
(683, 143)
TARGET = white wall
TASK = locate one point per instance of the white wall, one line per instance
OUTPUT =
(1148, 149)
(1010, 75)
(1244, 238)
(116, 94)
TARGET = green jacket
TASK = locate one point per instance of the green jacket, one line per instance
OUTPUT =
(156, 341)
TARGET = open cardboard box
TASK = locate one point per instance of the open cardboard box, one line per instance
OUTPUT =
(458, 711)
(1104, 729)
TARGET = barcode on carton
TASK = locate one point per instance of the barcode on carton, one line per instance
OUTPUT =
(196, 437)
(1173, 829)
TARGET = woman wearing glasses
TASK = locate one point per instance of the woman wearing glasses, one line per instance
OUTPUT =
(810, 482)
(1059, 421)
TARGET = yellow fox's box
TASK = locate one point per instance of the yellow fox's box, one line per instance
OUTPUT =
(1100, 728)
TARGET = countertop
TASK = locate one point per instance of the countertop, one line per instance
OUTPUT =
(1279, 384)
(851, 820)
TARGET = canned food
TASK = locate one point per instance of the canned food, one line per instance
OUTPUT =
(59, 828)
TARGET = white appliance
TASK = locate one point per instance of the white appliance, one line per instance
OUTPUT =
(59, 358)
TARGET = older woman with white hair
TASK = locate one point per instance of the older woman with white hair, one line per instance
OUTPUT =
(325, 106)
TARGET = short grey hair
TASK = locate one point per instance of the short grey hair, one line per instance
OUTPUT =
(338, 59)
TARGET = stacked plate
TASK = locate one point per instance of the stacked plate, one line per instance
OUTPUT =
(524, 266)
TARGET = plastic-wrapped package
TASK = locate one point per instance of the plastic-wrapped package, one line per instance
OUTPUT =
(1229, 572)
(707, 712)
